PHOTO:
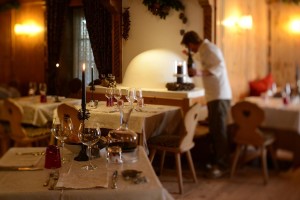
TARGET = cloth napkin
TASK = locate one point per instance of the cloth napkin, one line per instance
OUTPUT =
(78, 178)
(22, 157)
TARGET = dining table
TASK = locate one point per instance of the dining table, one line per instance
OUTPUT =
(147, 121)
(283, 120)
(23, 176)
(37, 113)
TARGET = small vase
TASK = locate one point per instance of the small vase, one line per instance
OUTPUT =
(124, 137)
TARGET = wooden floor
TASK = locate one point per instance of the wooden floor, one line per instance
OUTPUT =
(247, 184)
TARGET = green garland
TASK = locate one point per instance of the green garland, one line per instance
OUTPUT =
(13, 4)
(161, 8)
(292, 1)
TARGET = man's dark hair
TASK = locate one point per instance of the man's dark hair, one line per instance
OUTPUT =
(190, 37)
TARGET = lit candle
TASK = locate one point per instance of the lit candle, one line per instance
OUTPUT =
(83, 100)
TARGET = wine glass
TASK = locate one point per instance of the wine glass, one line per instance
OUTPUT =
(32, 88)
(117, 93)
(89, 134)
(43, 88)
(131, 96)
(139, 97)
(109, 92)
(61, 129)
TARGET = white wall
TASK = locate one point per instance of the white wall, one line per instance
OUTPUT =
(149, 32)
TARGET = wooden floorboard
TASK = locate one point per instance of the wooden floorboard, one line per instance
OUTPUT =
(246, 185)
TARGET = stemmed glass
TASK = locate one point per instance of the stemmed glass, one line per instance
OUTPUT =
(131, 96)
(109, 92)
(89, 134)
(32, 88)
(139, 96)
(117, 94)
(43, 88)
(61, 129)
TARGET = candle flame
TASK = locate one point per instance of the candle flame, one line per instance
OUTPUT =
(83, 67)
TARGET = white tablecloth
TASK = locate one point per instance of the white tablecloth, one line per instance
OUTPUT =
(151, 121)
(278, 115)
(29, 184)
(35, 112)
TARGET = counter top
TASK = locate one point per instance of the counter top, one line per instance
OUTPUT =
(160, 93)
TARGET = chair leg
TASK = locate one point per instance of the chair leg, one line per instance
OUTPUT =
(264, 164)
(162, 162)
(179, 172)
(273, 156)
(235, 160)
(152, 154)
(191, 164)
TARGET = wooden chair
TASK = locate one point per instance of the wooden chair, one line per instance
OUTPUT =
(178, 144)
(69, 110)
(248, 117)
(21, 135)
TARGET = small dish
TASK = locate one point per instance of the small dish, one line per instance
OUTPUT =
(131, 174)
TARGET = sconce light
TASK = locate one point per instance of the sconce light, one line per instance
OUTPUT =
(244, 22)
(27, 29)
(295, 26)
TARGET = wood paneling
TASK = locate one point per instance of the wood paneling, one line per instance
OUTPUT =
(23, 57)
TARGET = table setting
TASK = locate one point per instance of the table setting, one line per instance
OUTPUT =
(129, 180)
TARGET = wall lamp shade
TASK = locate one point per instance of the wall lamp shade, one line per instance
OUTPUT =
(295, 26)
(243, 22)
(27, 29)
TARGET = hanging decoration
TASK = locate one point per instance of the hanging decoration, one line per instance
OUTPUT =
(292, 1)
(126, 23)
(162, 8)
(13, 4)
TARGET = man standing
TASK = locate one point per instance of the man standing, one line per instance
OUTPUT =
(218, 96)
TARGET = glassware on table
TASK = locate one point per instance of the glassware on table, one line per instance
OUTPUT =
(61, 129)
(43, 92)
(109, 92)
(89, 134)
(32, 88)
(139, 97)
(123, 137)
(117, 94)
(131, 95)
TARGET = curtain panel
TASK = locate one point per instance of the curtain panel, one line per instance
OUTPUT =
(56, 14)
(99, 25)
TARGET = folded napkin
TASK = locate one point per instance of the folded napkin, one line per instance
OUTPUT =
(78, 178)
(22, 157)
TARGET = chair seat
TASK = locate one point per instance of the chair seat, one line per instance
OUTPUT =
(165, 140)
(33, 132)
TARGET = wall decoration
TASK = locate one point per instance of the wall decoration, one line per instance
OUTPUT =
(162, 8)
(125, 23)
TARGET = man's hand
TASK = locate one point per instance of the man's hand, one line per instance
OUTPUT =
(192, 72)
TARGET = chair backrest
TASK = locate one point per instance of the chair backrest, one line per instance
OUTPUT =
(69, 110)
(190, 122)
(248, 117)
(14, 113)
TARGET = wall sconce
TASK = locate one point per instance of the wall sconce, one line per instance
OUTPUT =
(295, 26)
(27, 29)
(243, 22)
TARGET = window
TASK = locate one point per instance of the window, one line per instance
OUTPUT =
(82, 48)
